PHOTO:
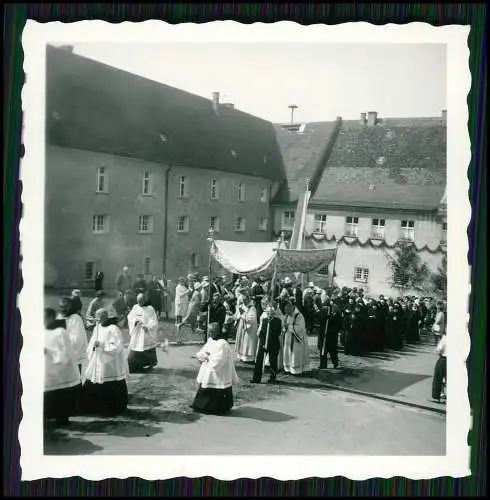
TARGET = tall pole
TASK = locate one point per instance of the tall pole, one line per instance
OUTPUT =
(292, 107)
(210, 239)
(334, 263)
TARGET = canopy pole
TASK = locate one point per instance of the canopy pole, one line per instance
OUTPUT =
(334, 263)
(210, 240)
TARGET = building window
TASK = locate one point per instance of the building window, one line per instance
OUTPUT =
(102, 180)
(214, 224)
(320, 223)
(407, 232)
(147, 182)
(89, 271)
(378, 229)
(241, 191)
(214, 189)
(100, 224)
(183, 187)
(351, 225)
(444, 233)
(323, 270)
(263, 222)
(263, 195)
(183, 224)
(240, 224)
(361, 274)
(147, 265)
(195, 260)
(145, 224)
(288, 219)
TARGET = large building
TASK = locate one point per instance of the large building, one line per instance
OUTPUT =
(375, 182)
(138, 172)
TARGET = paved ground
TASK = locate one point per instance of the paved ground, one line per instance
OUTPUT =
(297, 417)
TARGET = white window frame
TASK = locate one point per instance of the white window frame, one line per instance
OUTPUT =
(407, 230)
(92, 276)
(241, 195)
(240, 228)
(320, 223)
(183, 186)
(215, 229)
(361, 274)
(147, 188)
(288, 217)
(264, 193)
(185, 220)
(444, 233)
(214, 189)
(378, 229)
(105, 223)
(263, 223)
(147, 265)
(149, 224)
(352, 227)
(102, 174)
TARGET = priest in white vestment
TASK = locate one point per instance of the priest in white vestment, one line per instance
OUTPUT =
(246, 330)
(295, 348)
(181, 300)
(143, 332)
(61, 377)
(104, 381)
(216, 376)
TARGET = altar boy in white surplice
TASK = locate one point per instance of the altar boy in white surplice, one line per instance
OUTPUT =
(143, 331)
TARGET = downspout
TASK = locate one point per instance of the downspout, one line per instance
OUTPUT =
(165, 238)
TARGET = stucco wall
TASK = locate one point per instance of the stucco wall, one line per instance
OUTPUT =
(71, 200)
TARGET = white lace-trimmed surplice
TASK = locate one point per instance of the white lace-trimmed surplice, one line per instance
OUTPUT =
(141, 339)
(247, 334)
(77, 336)
(107, 363)
(217, 369)
(60, 370)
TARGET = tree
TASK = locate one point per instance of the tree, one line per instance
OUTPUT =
(408, 271)
(439, 279)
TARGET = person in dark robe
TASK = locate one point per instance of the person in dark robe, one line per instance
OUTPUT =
(155, 295)
(330, 324)
(370, 329)
(348, 308)
(298, 298)
(230, 309)
(140, 285)
(393, 328)
(216, 377)
(382, 315)
(404, 319)
(353, 337)
(270, 330)
(257, 294)
(217, 313)
(413, 324)
(99, 281)
(124, 281)
(309, 307)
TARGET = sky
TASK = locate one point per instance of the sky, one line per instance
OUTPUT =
(323, 80)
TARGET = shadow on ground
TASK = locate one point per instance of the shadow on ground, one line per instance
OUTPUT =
(261, 414)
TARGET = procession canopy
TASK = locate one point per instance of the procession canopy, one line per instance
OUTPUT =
(255, 258)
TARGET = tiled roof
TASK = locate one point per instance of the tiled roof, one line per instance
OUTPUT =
(398, 163)
(96, 107)
(301, 153)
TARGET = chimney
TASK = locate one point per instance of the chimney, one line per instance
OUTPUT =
(372, 117)
(444, 115)
(363, 118)
(68, 48)
(216, 101)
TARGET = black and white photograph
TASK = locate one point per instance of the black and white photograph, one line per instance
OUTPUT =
(246, 248)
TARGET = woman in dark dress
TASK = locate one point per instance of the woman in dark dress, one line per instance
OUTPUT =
(216, 376)
(353, 335)
(393, 332)
(99, 281)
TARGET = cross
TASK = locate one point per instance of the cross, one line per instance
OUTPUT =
(292, 107)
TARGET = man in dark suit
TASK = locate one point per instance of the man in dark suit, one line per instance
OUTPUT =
(330, 324)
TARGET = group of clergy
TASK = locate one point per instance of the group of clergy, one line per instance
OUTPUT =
(85, 362)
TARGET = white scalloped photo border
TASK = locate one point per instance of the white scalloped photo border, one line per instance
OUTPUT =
(34, 464)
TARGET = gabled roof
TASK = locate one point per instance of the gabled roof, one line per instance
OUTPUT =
(96, 107)
(397, 163)
(301, 154)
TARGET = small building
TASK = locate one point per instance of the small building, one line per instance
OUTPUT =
(374, 183)
(137, 172)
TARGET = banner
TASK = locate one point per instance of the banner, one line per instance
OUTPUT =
(304, 261)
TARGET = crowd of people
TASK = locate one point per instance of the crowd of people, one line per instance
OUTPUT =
(87, 368)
